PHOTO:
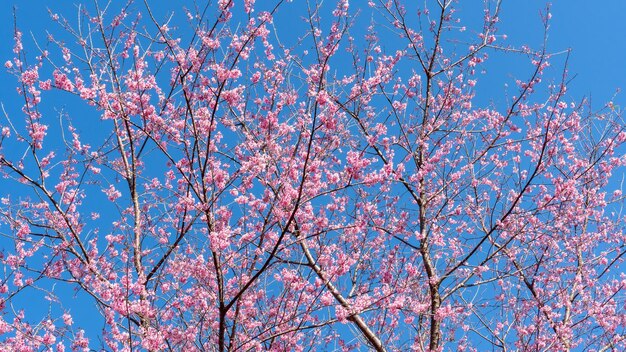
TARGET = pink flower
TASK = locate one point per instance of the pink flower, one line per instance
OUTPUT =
(45, 85)
(61, 81)
(67, 319)
(37, 133)
(112, 193)
(48, 338)
(29, 77)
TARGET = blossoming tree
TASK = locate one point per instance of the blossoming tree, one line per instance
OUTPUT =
(244, 178)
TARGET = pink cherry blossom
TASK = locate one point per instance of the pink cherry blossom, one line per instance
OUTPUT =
(261, 176)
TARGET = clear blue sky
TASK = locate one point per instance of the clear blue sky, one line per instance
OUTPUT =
(594, 30)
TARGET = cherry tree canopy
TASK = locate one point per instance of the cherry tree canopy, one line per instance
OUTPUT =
(315, 176)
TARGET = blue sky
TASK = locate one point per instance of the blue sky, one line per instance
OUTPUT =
(595, 33)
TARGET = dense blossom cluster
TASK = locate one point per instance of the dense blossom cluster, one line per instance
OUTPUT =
(271, 182)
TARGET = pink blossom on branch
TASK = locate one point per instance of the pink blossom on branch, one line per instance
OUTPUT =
(259, 185)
